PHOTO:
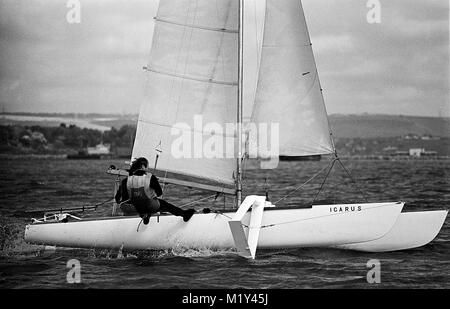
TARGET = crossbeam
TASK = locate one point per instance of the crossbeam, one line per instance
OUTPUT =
(61, 210)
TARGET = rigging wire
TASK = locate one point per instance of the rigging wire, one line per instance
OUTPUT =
(100, 204)
(266, 189)
(353, 180)
(73, 209)
(323, 182)
(330, 165)
(302, 185)
(199, 200)
(164, 183)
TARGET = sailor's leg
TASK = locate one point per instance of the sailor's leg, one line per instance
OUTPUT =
(174, 210)
(144, 212)
(167, 207)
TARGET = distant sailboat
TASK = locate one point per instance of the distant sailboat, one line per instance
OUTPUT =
(202, 68)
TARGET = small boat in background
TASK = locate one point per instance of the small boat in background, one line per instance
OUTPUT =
(83, 155)
(301, 158)
(100, 151)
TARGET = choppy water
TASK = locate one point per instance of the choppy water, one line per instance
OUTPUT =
(42, 184)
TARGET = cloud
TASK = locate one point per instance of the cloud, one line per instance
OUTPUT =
(94, 66)
(398, 66)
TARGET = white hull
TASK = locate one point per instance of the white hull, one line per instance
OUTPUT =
(375, 227)
(282, 228)
(412, 230)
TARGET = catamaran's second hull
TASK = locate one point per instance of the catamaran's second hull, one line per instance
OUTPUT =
(319, 226)
(411, 230)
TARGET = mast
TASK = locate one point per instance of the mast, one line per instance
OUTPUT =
(240, 103)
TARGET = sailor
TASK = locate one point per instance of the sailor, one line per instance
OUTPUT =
(142, 190)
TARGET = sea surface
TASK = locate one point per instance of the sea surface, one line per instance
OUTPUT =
(38, 184)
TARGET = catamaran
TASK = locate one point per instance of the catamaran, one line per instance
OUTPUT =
(236, 62)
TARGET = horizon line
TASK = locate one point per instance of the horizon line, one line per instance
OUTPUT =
(137, 114)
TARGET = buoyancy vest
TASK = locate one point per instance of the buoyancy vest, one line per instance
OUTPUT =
(141, 195)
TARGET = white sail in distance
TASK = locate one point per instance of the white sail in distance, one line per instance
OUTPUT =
(288, 90)
(192, 76)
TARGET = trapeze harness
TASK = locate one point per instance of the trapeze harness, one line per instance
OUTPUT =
(141, 195)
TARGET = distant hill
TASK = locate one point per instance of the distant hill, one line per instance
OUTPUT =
(343, 126)
(372, 126)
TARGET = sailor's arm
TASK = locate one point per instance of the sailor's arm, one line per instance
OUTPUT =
(154, 184)
(121, 194)
(118, 195)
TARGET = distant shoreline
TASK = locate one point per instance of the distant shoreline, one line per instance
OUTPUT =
(57, 115)
(100, 115)
(4, 156)
(352, 158)
(386, 158)
(13, 119)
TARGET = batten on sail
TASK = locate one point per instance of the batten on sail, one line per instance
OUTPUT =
(288, 91)
(192, 75)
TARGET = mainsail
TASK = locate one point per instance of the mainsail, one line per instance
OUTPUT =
(288, 91)
(193, 81)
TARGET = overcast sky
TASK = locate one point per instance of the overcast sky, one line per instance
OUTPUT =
(400, 66)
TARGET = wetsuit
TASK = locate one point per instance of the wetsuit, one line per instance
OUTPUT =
(122, 196)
